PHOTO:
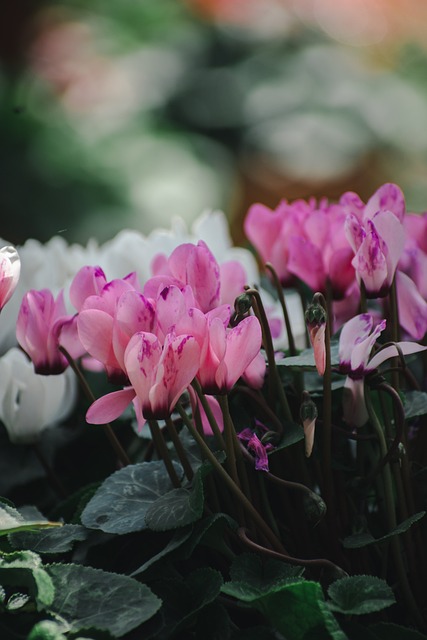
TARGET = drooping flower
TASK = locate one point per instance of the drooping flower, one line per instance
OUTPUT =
(254, 444)
(357, 339)
(10, 267)
(39, 327)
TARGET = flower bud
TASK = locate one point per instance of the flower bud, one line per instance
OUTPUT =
(315, 318)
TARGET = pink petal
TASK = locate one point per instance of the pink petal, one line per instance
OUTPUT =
(109, 407)
(95, 329)
(243, 345)
(354, 331)
(254, 374)
(306, 262)
(406, 348)
(412, 307)
(89, 281)
(388, 197)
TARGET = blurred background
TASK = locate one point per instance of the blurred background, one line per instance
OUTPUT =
(128, 112)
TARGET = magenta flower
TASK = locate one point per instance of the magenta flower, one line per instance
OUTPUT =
(254, 444)
(192, 265)
(41, 329)
(306, 240)
(158, 375)
(10, 267)
(357, 339)
(377, 236)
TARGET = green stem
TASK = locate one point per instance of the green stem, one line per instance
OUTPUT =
(246, 504)
(279, 289)
(210, 416)
(229, 433)
(275, 382)
(179, 449)
(108, 430)
(327, 412)
(163, 452)
(391, 513)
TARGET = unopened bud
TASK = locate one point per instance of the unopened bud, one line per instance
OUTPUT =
(315, 318)
(243, 304)
(314, 507)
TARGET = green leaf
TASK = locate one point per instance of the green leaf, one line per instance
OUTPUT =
(24, 569)
(364, 539)
(121, 502)
(47, 630)
(292, 433)
(415, 403)
(11, 520)
(252, 577)
(299, 612)
(305, 360)
(178, 507)
(358, 595)
(208, 531)
(87, 597)
(58, 540)
(184, 599)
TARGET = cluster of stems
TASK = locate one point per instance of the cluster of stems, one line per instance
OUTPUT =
(301, 509)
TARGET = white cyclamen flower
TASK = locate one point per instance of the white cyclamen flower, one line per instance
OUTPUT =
(29, 403)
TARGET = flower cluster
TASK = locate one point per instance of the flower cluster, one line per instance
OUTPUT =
(153, 339)
(337, 247)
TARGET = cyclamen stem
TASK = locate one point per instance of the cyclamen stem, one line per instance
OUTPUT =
(317, 562)
(391, 514)
(211, 419)
(108, 430)
(245, 503)
(179, 448)
(327, 412)
(229, 440)
(163, 452)
(268, 345)
(279, 289)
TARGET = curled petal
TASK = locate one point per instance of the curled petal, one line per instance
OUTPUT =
(109, 407)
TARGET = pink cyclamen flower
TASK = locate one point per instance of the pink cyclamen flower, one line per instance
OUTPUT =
(192, 265)
(306, 240)
(228, 353)
(158, 375)
(42, 327)
(357, 339)
(10, 267)
(376, 234)
(106, 322)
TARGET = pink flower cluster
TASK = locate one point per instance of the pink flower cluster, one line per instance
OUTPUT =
(155, 339)
(337, 247)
